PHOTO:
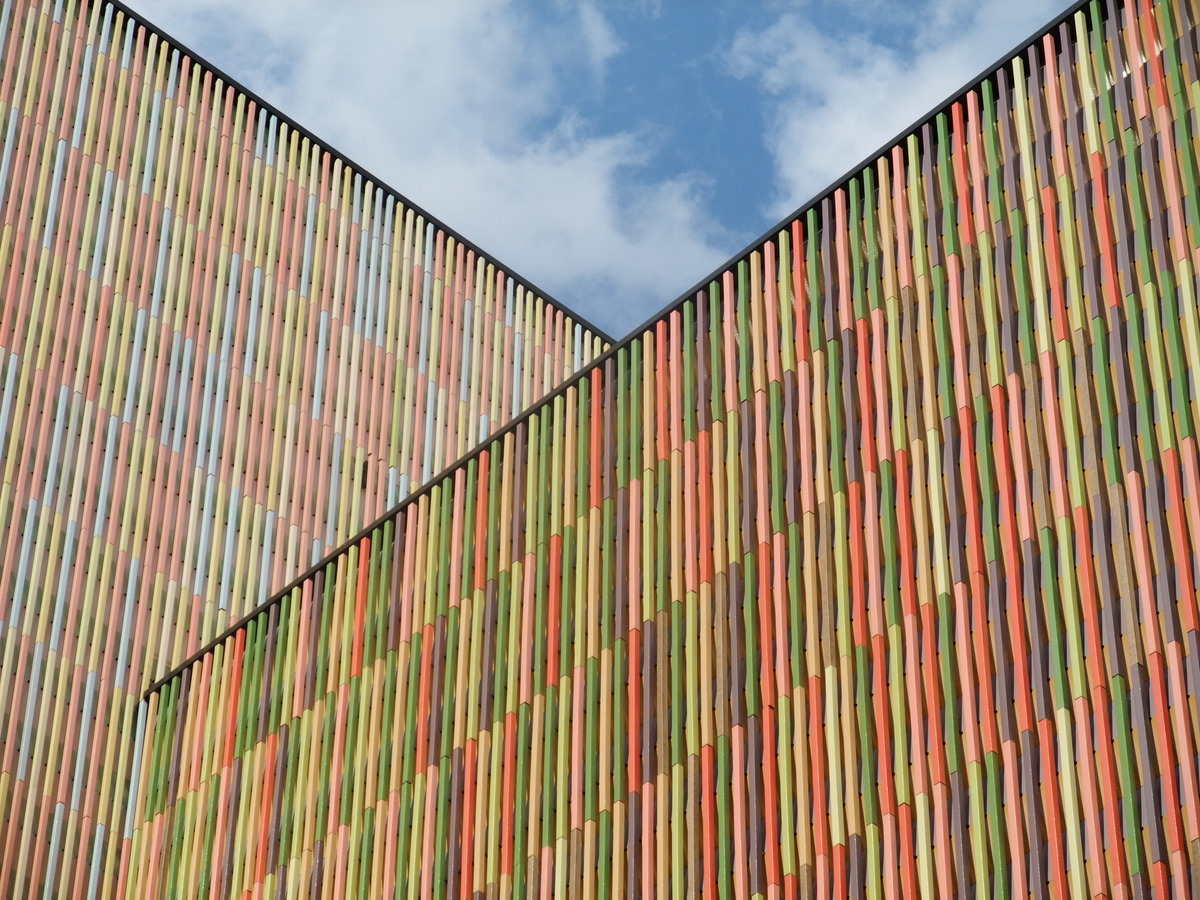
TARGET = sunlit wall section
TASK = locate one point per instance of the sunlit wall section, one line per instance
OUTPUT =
(223, 351)
(871, 569)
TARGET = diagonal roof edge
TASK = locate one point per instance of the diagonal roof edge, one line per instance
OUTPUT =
(628, 339)
(365, 173)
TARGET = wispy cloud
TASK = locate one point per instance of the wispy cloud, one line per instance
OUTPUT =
(599, 39)
(843, 78)
(460, 105)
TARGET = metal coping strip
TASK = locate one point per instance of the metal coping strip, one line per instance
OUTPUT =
(138, 19)
(626, 341)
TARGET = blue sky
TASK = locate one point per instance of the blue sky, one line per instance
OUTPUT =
(615, 152)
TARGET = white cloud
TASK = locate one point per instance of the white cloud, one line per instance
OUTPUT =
(602, 44)
(458, 105)
(840, 89)
(465, 107)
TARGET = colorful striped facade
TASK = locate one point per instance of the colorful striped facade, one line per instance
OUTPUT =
(224, 350)
(870, 569)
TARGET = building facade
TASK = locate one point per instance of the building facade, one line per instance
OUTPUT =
(224, 350)
(867, 569)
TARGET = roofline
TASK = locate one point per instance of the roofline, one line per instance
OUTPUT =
(366, 174)
(624, 343)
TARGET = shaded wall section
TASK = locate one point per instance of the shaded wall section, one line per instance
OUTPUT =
(223, 350)
(870, 568)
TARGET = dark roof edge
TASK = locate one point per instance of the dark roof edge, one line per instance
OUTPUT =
(867, 160)
(623, 344)
(366, 174)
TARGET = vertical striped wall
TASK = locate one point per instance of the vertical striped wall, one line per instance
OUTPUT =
(871, 569)
(223, 351)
